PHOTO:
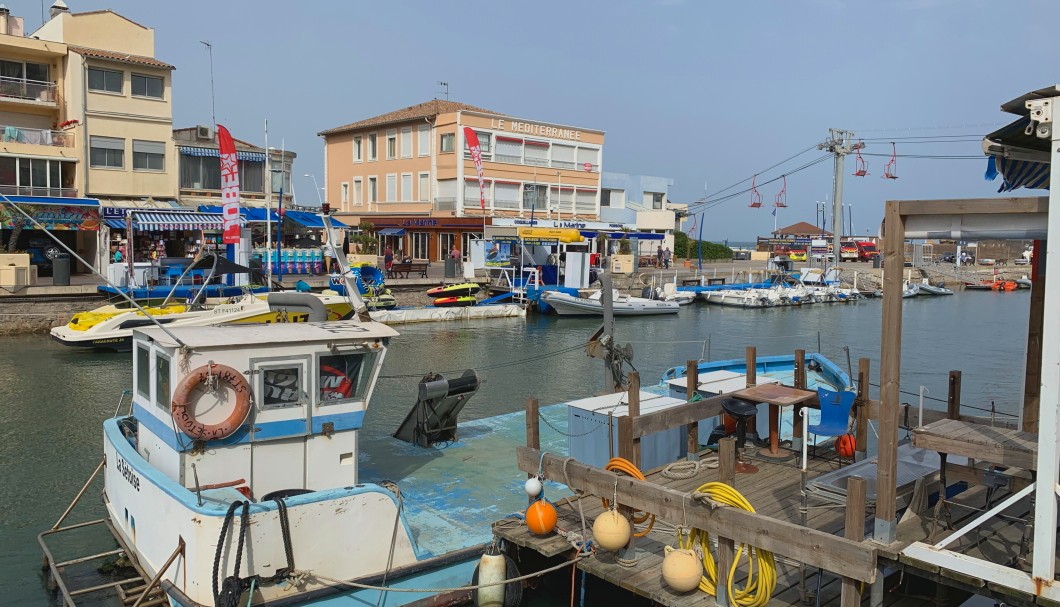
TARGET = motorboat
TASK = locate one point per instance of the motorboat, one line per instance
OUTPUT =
(669, 292)
(741, 298)
(910, 289)
(592, 305)
(926, 288)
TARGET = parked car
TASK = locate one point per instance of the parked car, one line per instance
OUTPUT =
(41, 253)
(986, 261)
(948, 258)
(1021, 261)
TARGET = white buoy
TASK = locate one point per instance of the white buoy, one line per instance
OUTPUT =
(533, 486)
(491, 568)
(681, 569)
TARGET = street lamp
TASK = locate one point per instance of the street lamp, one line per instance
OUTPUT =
(316, 186)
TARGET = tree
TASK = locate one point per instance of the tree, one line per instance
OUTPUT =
(364, 237)
(687, 248)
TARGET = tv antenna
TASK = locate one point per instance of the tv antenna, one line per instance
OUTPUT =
(446, 86)
(213, 98)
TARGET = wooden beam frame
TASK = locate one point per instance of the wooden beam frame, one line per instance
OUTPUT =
(814, 548)
(886, 524)
(973, 206)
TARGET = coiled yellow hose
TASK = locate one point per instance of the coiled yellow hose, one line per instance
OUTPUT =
(761, 568)
(624, 466)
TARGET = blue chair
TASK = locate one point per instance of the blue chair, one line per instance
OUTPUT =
(835, 415)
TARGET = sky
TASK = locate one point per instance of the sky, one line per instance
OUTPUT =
(707, 93)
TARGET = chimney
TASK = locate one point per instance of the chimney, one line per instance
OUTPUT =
(4, 14)
(58, 8)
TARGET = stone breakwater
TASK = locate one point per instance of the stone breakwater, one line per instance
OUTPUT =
(37, 315)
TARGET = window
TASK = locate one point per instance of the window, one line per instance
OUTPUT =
(149, 155)
(107, 81)
(391, 145)
(36, 177)
(483, 144)
(357, 194)
(283, 387)
(509, 150)
(653, 200)
(20, 70)
(162, 382)
(467, 237)
(472, 198)
(585, 202)
(406, 142)
(373, 148)
(419, 245)
(536, 153)
(445, 198)
(147, 86)
(345, 192)
(391, 188)
(406, 187)
(590, 156)
(373, 189)
(143, 371)
(563, 157)
(200, 172)
(447, 142)
(424, 143)
(251, 176)
(281, 175)
(506, 196)
(109, 152)
(425, 187)
(613, 198)
(345, 377)
(534, 196)
(358, 153)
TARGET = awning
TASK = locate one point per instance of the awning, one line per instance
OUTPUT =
(66, 202)
(311, 220)
(249, 214)
(391, 232)
(176, 220)
(215, 153)
(1018, 173)
(116, 224)
(621, 235)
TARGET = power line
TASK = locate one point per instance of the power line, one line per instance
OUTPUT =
(706, 204)
(977, 136)
(930, 156)
(765, 170)
(931, 128)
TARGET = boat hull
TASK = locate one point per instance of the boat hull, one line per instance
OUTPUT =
(457, 290)
(455, 302)
(568, 305)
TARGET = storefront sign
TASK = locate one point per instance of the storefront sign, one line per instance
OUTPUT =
(420, 223)
(53, 217)
(115, 212)
(540, 130)
(553, 223)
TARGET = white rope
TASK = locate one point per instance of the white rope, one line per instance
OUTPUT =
(688, 469)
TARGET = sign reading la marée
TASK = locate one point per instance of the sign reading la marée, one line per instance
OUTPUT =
(540, 130)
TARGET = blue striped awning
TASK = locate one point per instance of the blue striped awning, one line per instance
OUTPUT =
(215, 153)
(311, 220)
(249, 214)
(176, 220)
(1018, 173)
(621, 235)
(115, 224)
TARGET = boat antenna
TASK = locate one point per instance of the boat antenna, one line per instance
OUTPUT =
(62, 244)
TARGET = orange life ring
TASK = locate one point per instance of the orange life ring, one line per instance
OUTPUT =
(184, 418)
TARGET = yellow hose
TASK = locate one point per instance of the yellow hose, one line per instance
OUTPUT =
(624, 466)
(761, 568)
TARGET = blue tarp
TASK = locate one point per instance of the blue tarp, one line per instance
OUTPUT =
(311, 220)
(249, 214)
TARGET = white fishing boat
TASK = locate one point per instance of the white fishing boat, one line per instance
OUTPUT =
(624, 305)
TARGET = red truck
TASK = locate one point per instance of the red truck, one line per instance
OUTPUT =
(849, 251)
(867, 251)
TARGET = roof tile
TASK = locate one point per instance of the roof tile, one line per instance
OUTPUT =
(422, 110)
(120, 57)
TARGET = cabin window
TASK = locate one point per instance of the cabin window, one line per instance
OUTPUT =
(162, 382)
(283, 387)
(345, 377)
(143, 372)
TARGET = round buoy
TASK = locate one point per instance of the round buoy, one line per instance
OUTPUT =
(845, 445)
(494, 568)
(681, 569)
(541, 517)
(611, 531)
(533, 487)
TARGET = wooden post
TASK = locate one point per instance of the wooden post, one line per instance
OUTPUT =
(633, 397)
(953, 398)
(800, 383)
(692, 374)
(855, 530)
(890, 374)
(861, 412)
(1032, 384)
(625, 439)
(533, 424)
(752, 366)
(726, 547)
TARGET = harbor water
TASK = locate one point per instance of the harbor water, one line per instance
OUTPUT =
(53, 399)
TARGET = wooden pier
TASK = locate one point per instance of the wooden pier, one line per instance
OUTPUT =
(821, 545)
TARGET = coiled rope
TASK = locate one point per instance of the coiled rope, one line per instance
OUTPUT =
(761, 566)
(624, 466)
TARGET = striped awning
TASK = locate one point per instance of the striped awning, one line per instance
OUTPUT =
(170, 220)
(1018, 173)
(215, 153)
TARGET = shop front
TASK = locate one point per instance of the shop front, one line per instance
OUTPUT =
(426, 238)
(74, 221)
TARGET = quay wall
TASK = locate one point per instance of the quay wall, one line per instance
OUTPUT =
(24, 315)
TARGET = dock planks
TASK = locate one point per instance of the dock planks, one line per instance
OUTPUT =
(1000, 446)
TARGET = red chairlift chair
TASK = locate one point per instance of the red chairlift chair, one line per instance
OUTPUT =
(890, 171)
(756, 197)
(781, 200)
(859, 162)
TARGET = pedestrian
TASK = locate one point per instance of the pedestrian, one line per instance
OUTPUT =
(455, 253)
(116, 254)
(659, 257)
(388, 260)
(329, 257)
(667, 254)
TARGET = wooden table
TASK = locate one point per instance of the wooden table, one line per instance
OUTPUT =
(776, 396)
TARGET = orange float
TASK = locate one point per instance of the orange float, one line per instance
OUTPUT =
(541, 517)
(185, 419)
(845, 445)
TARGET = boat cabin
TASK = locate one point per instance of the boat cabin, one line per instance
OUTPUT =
(274, 406)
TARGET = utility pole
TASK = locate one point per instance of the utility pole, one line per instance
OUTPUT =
(838, 143)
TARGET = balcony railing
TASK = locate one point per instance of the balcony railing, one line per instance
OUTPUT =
(25, 190)
(21, 134)
(33, 90)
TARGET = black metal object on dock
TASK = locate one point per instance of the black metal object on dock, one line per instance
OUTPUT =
(433, 418)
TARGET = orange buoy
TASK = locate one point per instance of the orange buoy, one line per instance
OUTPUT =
(845, 445)
(541, 517)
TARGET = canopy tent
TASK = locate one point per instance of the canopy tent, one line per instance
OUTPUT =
(249, 214)
(311, 220)
(224, 265)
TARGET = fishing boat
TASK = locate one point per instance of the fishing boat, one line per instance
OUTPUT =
(592, 305)
(111, 327)
(455, 290)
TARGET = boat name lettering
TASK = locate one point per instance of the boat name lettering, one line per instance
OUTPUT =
(227, 309)
(420, 222)
(126, 471)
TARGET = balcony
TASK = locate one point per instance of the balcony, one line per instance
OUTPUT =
(21, 134)
(25, 190)
(33, 92)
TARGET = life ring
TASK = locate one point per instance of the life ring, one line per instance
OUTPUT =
(180, 404)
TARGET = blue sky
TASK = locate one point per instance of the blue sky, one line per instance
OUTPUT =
(706, 93)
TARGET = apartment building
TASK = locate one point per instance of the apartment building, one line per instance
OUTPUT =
(410, 173)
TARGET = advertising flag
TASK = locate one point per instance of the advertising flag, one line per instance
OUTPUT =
(229, 185)
(476, 155)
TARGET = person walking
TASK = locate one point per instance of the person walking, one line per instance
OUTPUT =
(388, 261)
(667, 255)
(455, 253)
